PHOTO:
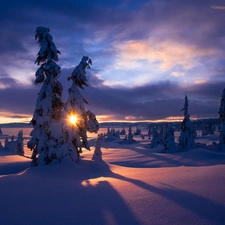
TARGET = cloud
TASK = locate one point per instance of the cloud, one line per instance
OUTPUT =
(146, 54)
(138, 62)
(199, 81)
(217, 7)
(178, 73)
(150, 102)
(169, 54)
(155, 101)
(6, 81)
(19, 100)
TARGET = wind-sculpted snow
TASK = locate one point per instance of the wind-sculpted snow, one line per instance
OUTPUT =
(138, 156)
(13, 164)
(133, 184)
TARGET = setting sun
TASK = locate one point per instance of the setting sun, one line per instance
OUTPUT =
(73, 119)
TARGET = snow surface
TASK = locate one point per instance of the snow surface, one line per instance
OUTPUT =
(133, 185)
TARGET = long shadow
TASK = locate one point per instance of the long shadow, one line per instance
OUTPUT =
(61, 200)
(111, 207)
(201, 206)
(205, 208)
(84, 202)
(197, 157)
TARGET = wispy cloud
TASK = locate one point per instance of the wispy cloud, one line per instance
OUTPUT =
(218, 7)
(146, 54)
(178, 73)
(169, 54)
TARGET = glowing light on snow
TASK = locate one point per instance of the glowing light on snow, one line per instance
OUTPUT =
(73, 119)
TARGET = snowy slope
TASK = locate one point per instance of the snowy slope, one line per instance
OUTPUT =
(133, 185)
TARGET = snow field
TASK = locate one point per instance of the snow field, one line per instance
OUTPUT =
(133, 185)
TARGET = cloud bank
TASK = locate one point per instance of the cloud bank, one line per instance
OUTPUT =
(146, 55)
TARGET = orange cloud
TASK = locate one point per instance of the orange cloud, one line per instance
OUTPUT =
(199, 81)
(178, 74)
(8, 117)
(168, 53)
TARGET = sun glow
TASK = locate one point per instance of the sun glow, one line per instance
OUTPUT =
(73, 119)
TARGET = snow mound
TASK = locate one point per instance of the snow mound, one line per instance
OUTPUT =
(138, 156)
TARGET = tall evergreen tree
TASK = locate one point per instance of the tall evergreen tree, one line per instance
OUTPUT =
(75, 106)
(186, 139)
(49, 105)
(222, 120)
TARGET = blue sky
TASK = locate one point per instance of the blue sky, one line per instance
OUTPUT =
(146, 54)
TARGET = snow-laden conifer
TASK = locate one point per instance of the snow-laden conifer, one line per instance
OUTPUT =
(49, 106)
(75, 106)
(186, 138)
(20, 149)
(6, 141)
(129, 138)
(169, 141)
(156, 138)
(222, 120)
(98, 153)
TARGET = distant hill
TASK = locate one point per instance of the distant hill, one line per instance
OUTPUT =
(15, 125)
(116, 124)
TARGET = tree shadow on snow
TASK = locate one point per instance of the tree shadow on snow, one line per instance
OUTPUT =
(67, 198)
(200, 207)
(204, 208)
(145, 158)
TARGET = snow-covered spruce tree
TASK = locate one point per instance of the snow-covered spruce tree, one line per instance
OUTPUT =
(169, 141)
(149, 131)
(75, 107)
(98, 153)
(109, 135)
(222, 121)
(123, 132)
(19, 141)
(130, 136)
(156, 138)
(48, 105)
(6, 141)
(186, 138)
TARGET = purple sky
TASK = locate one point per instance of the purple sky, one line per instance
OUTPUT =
(146, 55)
